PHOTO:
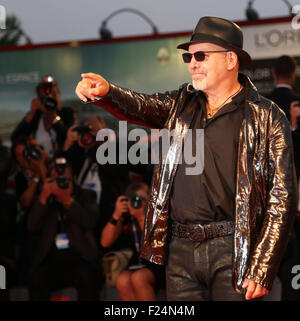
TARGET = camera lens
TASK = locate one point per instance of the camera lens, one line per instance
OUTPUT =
(31, 151)
(62, 182)
(87, 139)
(49, 102)
(136, 201)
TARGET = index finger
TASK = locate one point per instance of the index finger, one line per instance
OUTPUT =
(122, 197)
(91, 76)
(80, 95)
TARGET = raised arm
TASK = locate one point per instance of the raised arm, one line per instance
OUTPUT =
(147, 110)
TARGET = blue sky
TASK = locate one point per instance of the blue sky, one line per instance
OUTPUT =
(64, 20)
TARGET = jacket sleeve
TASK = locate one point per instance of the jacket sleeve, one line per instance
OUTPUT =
(84, 211)
(36, 216)
(24, 128)
(146, 110)
(281, 203)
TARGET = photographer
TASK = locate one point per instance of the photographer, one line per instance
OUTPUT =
(62, 217)
(80, 149)
(108, 181)
(7, 221)
(30, 163)
(43, 122)
(140, 280)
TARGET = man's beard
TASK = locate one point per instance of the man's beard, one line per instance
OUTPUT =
(200, 84)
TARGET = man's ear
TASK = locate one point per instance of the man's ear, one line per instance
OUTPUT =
(232, 60)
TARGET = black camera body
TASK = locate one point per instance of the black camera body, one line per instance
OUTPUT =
(135, 201)
(49, 102)
(31, 152)
(87, 137)
(60, 165)
(45, 93)
(62, 182)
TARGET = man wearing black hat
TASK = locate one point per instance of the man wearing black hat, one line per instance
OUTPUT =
(221, 233)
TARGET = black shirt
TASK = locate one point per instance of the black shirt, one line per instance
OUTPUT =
(210, 196)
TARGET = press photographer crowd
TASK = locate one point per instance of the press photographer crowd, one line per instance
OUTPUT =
(56, 200)
(68, 222)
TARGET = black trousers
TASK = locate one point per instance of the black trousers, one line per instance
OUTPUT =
(200, 271)
(64, 268)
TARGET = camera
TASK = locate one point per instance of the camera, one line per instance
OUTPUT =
(60, 165)
(45, 92)
(87, 137)
(31, 151)
(136, 201)
(62, 182)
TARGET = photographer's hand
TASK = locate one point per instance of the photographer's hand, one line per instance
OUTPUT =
(121, 207)
(72, 137)
(38, 168)
(46, 190)
(35, 105)
(63, 195)
(91, 86)
(111, 231)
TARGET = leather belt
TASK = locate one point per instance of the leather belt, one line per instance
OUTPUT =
(200, 233)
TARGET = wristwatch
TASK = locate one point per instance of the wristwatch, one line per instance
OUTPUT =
(113, 221)
(36, 179)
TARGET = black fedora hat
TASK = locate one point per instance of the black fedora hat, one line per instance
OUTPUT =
(222, 32)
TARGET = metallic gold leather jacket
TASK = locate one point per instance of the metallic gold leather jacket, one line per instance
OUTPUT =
(265, 203)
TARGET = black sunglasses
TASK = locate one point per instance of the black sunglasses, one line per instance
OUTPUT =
(199, 55)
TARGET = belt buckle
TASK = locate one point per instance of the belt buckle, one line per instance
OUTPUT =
(197, 234)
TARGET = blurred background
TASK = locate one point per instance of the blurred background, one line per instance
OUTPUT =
(132, 44)
(53, 21)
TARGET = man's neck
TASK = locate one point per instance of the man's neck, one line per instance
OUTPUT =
(284, 81)
(217, 97)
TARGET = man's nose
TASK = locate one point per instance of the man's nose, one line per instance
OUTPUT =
(194, 63)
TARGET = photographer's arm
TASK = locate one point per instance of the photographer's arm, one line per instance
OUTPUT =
(113, 228)
(39, 170)
(28, 195)
(111, 232)
(28, 123)
(71, 138)
(40, 208)
(85, 210)
(35, 106)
